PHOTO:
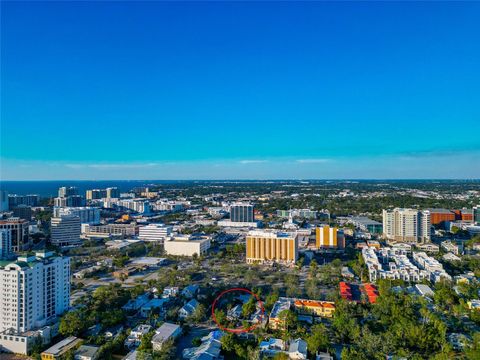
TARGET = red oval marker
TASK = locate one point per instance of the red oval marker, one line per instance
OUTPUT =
(239, 330)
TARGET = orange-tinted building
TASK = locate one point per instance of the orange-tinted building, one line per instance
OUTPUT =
(272, 246)
(329, 237)
(438, 216)
(371, 293)
(319, 308)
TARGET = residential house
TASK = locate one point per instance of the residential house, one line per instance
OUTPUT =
(164, 333)
(137, 303)
(190, 291)
(135, 337)
(272, 347)
(298, 350)
(188, 309)
(170, 291)
(275, 322)
(87, 352)
(152, 305)
(235, 312)
(209, 349)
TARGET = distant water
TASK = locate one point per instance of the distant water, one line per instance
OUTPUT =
(50, 188)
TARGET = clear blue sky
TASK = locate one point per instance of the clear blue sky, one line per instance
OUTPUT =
(240, 90)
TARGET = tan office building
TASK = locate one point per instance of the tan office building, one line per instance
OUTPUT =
(272, 246)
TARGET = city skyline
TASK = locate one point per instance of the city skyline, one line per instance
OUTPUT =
(97, 91)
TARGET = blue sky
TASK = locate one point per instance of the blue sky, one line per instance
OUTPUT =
(240, 90)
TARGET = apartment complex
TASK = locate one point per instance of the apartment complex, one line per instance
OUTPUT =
(18, 229)
(65, 231)
(300, 213)
(87, 215)
(35, 288)
(407, 225)
(329, 237)
(272, 246)
(108, 193)
(16, 200)
(107, 230)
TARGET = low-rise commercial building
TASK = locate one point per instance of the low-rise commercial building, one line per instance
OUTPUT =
(187, 245)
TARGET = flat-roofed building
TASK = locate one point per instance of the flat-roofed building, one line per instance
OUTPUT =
(18, 233)
(438, 216)
(164, 333)
(187, 245)
(407, 225)
(329, 237)
(107, 230)
(154, 232)
(60, 348)
(65, 231)
(34, 289)
(272, 246)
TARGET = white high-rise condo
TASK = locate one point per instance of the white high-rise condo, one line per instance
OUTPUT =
(407, 225)
(34, 289)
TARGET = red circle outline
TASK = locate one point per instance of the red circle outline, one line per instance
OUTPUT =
(239, 330)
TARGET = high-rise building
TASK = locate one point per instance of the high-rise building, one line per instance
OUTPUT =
(476, 214)
(3, 200)
(241, 213)
(108, 193)
(272, 246)
(5, 244)
(408, 225)
(35, 288)
(154, 232)
(72, 201)
(329, 237)
(18, 233)
(112, 193)
(23, 212)
(96, 194)
(87, 215)
(68, 196)
(65, 191)
(65, 231)
(28, 200)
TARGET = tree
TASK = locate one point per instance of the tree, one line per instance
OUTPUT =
(228, 342)
(249, 307)
(288, 318)
(72, 323)
(199, 313)
(318, 339)
(220, 317)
